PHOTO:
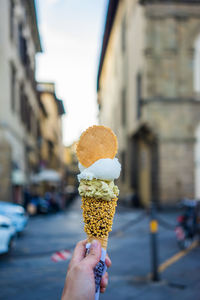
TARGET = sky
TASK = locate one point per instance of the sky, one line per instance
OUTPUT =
(71, 33)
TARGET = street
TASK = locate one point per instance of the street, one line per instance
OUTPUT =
(28, 273)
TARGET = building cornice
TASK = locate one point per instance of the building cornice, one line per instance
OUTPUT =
(49, 87)
(168, 101)
(31, 7)
(111, 12)
(177, 140)
(144, 2)
(180, 10)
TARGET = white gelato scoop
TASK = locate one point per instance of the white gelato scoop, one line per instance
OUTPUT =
(105, 169)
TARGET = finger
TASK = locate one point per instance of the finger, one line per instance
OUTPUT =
(94, 254)
(104, 281)
(108, 261)
(79, 252)
(102, 290)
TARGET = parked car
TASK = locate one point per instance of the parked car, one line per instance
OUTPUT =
(16, 213)
(7, 234)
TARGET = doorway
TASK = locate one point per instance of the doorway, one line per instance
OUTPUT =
(144, 166)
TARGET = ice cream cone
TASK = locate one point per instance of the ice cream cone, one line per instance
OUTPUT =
(98, 218)
(99, 168)
(103, 241)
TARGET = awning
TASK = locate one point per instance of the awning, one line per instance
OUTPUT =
(18, 177)
(48, 175)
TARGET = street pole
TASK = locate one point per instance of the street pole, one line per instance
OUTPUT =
(154, 244)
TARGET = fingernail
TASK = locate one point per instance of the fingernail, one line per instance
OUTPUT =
(106, 282)
(109, 260)
(94, 244)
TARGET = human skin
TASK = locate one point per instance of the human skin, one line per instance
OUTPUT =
(80, 282)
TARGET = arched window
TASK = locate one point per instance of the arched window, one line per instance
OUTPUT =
(197, 65)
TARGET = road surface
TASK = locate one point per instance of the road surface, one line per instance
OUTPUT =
(28, 273)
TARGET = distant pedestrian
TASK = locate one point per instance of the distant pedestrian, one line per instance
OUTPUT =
(26, 197)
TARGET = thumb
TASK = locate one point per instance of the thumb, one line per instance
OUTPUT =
(94, 255)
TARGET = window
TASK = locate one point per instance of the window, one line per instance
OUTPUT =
(12, 7)
(22, 46)
(13, 86)
(197, 66)
(28, 115)
(38, 130)
(139, 94)
(22, 103)
(50, 149)
(123, 161)
(123, 35)
(26, 112)
(33, 123)
(123, 107)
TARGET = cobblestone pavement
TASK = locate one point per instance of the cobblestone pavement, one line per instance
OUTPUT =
(28, 273)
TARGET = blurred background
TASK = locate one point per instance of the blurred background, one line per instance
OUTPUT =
(132, 65)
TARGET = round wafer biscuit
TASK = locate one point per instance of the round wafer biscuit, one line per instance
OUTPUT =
(95, 143)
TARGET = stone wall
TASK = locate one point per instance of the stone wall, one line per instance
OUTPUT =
(176, 171)
(172, 119)
(171, 33)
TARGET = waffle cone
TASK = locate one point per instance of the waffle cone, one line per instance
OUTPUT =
(103, 141)
(103, 241)
(98, 218)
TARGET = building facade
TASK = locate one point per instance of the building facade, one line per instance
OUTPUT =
(19, 100)
(51, 145)
(71, 165)
(149, 93)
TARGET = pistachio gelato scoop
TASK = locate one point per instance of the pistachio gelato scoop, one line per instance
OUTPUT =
(98, 189)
